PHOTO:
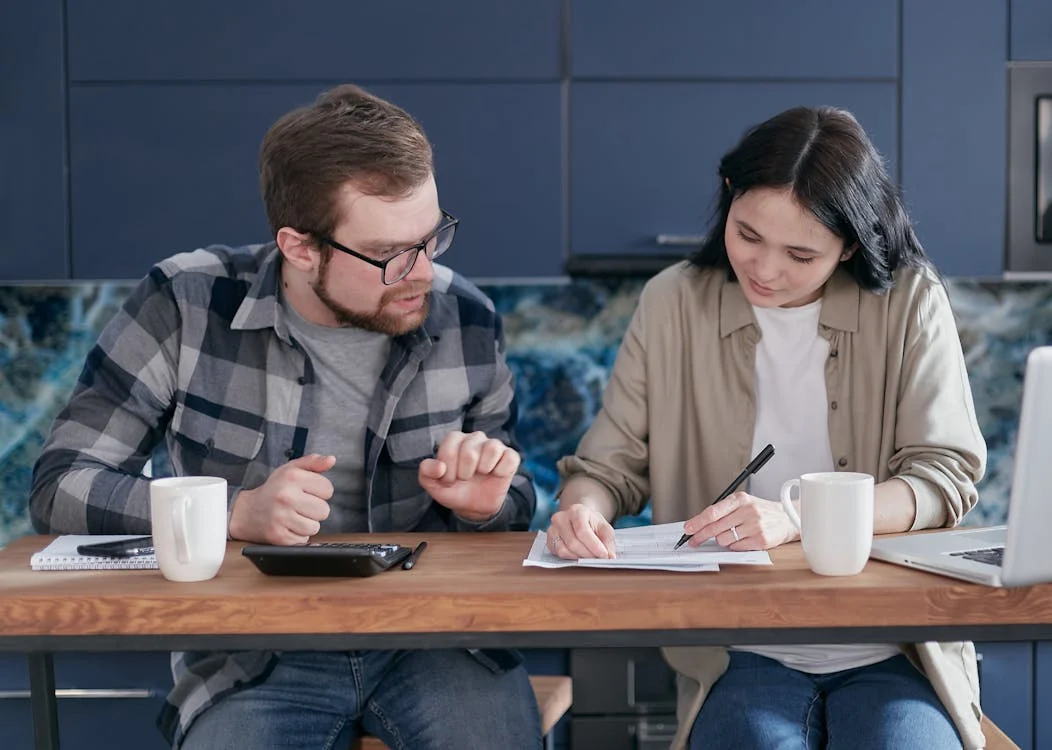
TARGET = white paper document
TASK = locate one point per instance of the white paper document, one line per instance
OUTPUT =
(650, 548)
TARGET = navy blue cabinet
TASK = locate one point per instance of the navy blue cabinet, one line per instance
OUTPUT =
(33, 224)
(104, 700)
(644, 155)
(1006, 683)
(563, 128)
(284, 40)
(953, 131)
(847, 39)
(160, 169)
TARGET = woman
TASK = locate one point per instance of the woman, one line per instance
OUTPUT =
(810, 319)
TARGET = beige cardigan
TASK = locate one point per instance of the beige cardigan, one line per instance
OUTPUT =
(679, 410)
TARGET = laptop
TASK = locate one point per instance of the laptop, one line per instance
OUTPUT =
(1020, 553)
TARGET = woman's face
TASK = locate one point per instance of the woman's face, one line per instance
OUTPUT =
(781, 254)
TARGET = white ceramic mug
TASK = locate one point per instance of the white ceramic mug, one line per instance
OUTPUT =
(835, 520)
(189, 526)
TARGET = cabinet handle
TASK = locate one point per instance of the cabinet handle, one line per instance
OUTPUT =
(680, 240)
(83, 693)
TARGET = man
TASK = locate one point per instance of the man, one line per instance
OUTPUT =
(341, 382)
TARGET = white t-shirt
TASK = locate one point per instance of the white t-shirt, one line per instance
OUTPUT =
(791, 414)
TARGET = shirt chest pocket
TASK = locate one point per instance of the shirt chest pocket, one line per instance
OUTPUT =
(410, 447)
(219, 442)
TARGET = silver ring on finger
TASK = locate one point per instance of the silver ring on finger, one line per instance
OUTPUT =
(734, 532)
(556, 540)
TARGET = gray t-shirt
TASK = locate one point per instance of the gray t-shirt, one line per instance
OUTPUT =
(347, 364)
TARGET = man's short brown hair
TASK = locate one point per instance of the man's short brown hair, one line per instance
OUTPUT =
(347, 134)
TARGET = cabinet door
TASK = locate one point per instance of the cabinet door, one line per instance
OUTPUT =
(33, 219)
(1006, 684)
(743, 39)
(160, 169)
(283, 40)
(644, 155)
(1031, 29)
(953, 131)
(105, 700)
(1043, 695)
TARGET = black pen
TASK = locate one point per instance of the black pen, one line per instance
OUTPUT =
(408, 564)
(754, 466)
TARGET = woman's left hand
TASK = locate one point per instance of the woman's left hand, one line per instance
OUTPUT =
(742, 522)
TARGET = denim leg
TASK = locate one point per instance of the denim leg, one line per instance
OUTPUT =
(888, 704)
(441, 699)
(305, 702)
(758, 703)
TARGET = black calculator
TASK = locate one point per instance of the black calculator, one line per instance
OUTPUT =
(355, 559)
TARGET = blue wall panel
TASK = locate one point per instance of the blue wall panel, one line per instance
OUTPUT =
(159, 169)
(953, 131)
(33, 222)
(284, 40)
(1031, 30)
(743, 39)
(644, 155)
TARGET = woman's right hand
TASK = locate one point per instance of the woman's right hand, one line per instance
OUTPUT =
(579, 531)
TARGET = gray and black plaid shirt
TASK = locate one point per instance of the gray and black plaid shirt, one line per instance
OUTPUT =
(200, 357)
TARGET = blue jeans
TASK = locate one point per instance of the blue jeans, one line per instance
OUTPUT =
(412, 700)
(759, 703)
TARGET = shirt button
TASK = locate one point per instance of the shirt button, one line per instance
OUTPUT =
(290, 453)
(833, 406)
(301, 380)
(842, 462)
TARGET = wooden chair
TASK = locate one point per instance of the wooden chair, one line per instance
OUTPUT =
(554, 696)
(995, 738)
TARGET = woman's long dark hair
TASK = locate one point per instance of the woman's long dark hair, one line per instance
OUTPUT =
(826, 159)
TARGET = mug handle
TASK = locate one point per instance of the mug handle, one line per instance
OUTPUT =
(787, 493)
(179, 512)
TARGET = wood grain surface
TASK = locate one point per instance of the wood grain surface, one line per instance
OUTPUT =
(475, 583)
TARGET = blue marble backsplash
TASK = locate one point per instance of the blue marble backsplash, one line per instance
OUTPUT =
(562, 340)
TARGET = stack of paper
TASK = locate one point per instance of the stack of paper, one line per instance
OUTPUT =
(650, 548)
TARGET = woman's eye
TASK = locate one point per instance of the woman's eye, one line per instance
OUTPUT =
(747, 238)
(801, 258)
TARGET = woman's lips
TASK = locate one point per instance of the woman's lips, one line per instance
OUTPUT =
(761, 289)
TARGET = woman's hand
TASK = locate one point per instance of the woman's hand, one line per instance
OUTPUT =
(580, 531)
(742, 522)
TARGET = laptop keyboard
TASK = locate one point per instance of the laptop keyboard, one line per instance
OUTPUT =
(990, 556)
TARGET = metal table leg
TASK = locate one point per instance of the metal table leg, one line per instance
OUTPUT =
(42, 700)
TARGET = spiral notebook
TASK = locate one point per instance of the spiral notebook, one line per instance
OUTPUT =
(62, 554)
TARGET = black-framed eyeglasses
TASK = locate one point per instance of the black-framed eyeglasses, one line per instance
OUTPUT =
(398, 266)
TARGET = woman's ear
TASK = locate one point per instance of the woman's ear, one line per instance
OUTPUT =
(846, 255)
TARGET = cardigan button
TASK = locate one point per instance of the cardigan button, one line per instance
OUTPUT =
(833, 406)
(842, 462)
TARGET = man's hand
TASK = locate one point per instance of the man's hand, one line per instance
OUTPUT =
(470, 474)
(289, 507)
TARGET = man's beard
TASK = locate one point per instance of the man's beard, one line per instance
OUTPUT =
(379, 321)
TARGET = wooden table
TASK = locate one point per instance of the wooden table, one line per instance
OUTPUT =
(471, 590)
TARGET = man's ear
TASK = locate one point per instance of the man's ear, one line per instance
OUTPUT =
(298, 248)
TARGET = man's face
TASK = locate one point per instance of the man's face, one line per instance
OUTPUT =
(351, 290)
